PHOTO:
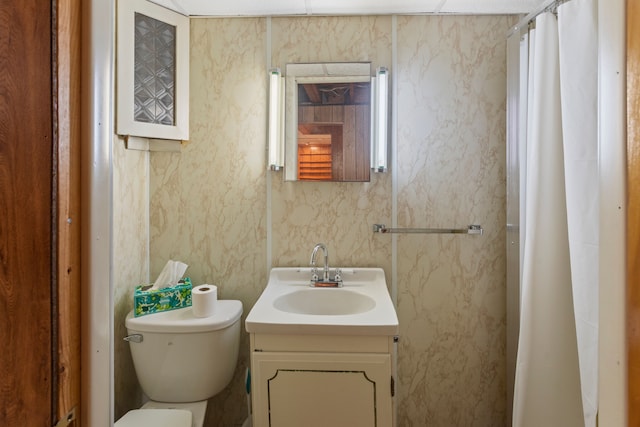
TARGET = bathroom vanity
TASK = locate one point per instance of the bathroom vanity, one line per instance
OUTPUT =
(323, 356)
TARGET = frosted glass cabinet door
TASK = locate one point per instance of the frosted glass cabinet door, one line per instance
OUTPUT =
(321, 389)
(153, 71)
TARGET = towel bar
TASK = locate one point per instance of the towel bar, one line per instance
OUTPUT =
(472, 229)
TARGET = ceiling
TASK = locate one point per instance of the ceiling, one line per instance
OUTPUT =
(347, 7)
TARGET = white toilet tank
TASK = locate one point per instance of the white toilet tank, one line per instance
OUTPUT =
(183, 358)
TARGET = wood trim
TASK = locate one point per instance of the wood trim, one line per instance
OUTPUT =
(633, 211)
(68, 205)
(26, 224)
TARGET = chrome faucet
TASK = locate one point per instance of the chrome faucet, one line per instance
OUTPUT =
(312, 262)
(326, 280)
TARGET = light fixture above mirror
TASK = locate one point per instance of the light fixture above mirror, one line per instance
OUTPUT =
(379, 119)
(276, 120)
(332, 112)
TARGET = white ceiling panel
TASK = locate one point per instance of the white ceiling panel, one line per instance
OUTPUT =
(235, 7)
(347, 7)
(491, 6)
(366, 7)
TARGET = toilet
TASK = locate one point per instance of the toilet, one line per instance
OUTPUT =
(181, 361)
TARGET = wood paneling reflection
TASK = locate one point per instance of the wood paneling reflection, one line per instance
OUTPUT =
(349, 127)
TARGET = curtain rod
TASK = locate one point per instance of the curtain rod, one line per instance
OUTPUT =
(548, 7)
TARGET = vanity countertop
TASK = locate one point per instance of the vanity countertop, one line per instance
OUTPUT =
(288, 305)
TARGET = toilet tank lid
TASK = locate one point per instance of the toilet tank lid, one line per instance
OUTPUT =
(226, 313)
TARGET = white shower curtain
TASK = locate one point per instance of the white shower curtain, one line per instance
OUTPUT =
(556, 369)
(579, 80)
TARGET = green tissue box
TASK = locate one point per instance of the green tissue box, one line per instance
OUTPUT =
(158, 300)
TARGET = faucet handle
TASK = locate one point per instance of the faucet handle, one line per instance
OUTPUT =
(314, 274)
(338, 275)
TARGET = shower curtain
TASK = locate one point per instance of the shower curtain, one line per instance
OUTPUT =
(556, 367)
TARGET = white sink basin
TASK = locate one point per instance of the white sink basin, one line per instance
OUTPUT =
(288, 305)
(324, 302)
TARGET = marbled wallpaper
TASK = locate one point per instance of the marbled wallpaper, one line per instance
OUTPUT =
(451, 173)
(210, 205)
(130, 261)
(341, 215)
(208, 202)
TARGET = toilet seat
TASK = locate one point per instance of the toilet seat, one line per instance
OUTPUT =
(198, 409)
(155, 418)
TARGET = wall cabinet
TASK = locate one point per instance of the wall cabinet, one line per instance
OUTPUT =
(152, 71)
(320, 381)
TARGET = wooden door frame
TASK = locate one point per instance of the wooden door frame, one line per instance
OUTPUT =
(633, 212)
(40, 171)
(27, 176)
(66, 68)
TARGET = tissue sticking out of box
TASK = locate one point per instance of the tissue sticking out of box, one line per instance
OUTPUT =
(170, 274)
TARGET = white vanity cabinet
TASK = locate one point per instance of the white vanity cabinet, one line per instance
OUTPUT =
(323, 357)
(319, 381)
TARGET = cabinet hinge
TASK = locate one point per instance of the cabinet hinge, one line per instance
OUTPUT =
(67, 419)
(393, 386)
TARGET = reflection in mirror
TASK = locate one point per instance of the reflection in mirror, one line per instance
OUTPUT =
(333, 131)
(328, 122)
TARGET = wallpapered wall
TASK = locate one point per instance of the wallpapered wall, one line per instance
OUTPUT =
(215, 207)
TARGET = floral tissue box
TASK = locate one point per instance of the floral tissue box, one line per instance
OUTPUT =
(147, 301)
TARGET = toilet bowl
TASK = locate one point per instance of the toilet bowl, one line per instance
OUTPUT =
(197, 409)
(181, 361)
(156, 418)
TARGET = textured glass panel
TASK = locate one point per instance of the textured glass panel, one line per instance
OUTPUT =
(155, 71)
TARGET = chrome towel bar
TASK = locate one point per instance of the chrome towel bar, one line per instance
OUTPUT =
(472, 229)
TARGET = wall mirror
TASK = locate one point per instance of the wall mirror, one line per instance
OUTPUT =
(328, 122)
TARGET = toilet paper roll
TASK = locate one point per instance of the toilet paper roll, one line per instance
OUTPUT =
(203, 300)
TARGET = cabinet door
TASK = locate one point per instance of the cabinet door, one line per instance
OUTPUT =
(326, 389)
(153, 71)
